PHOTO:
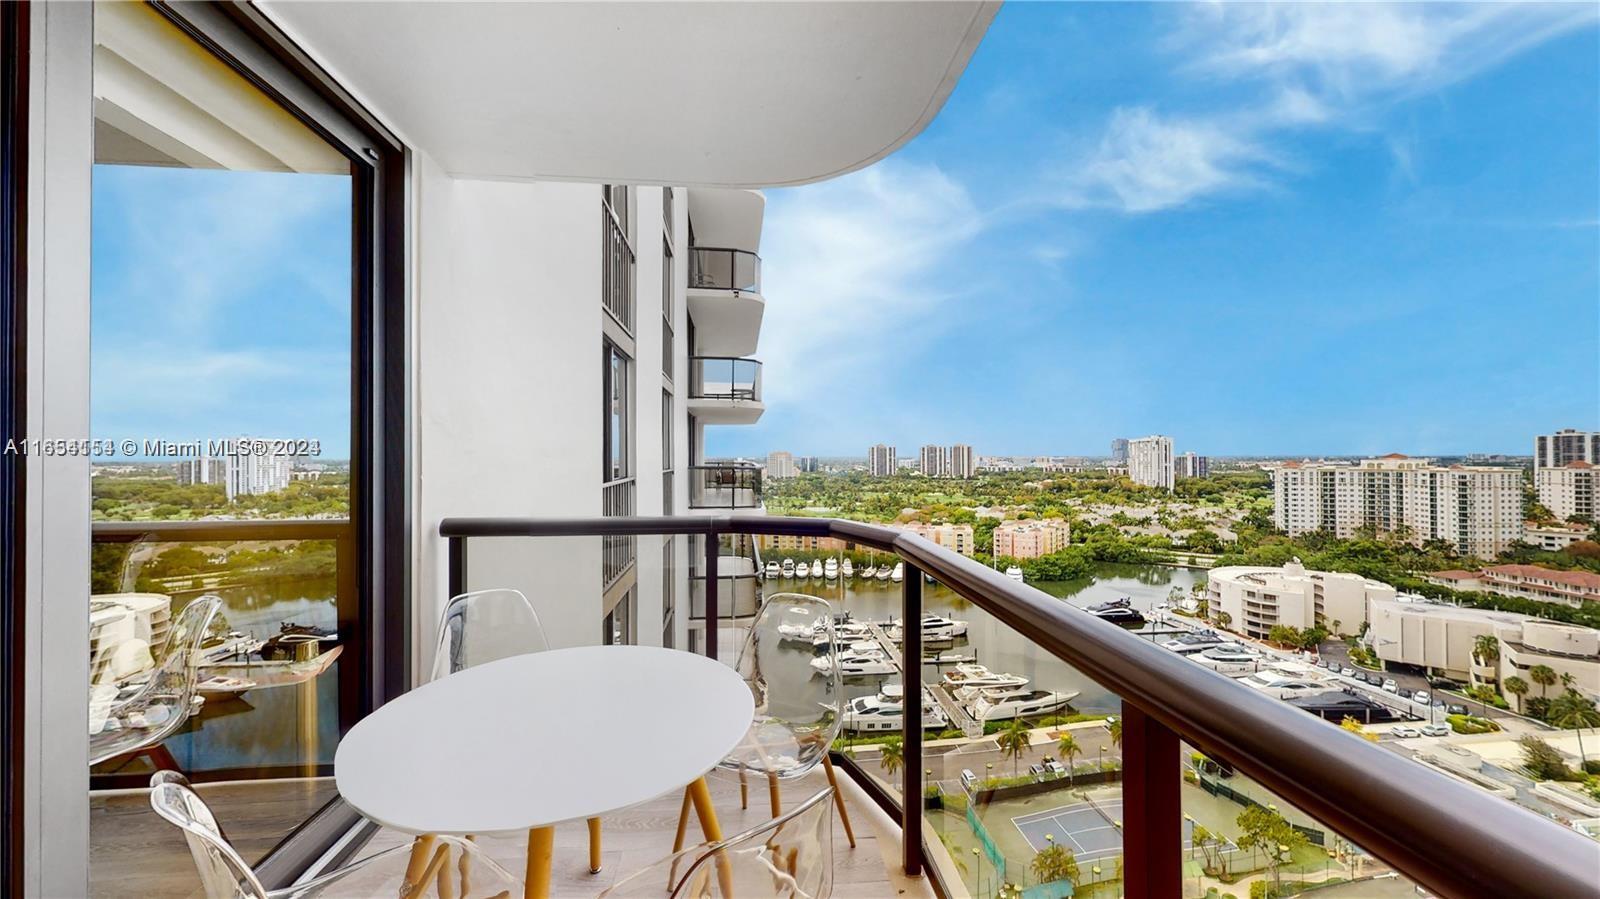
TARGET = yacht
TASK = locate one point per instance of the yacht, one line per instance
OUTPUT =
(788, 568)
(977, 677)
(773, 570)
(830, 569)
(1001, 705)
(847, 569)
(950, 657)
(1121, 616)
(883, 573)
(1014, 573)
(870, 572)
(1125, 602)
(935, 629)
(816, 568)
(1198, 641)
(855, 663)
(1232, 659)
(883, 712)
(899, 572)
(1284, 686)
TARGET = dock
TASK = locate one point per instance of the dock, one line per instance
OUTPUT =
(958, 715)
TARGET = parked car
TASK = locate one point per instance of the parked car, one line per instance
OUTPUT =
(1375, 679)
(1405, 732)
(1456, 709)
(1390, 686)
(1405, 692)
(1436, 730)
(1422, 696)
(1347, 671)
(968, 779)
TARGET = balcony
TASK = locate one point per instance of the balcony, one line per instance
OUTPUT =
(725, 300)
(725, 390)
(724, 487)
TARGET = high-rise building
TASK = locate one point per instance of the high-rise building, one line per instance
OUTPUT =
(1150, 461)
(807, 464)
(934, 461)
(202, 470)
(1476, 509)
(963, 463)
(1030, 539)
(1568, 490)
(1566, 445)
(780, 464)
(249, 474)
(881, 461)
(1119, 451)
(1190, 465)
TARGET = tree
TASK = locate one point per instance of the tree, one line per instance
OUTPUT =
(1069, 750)
(1054, 863)
(1014, 741)
(1542, 760)
(1486, 649)
(1544, 676)
(1223, 619)
(1352, 725)
(1262, 829)
(1114, 727)
(1574, 711)
(1209, 844)
(1517, 687)
(892, 756)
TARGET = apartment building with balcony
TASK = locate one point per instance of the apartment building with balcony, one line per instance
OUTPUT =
(882, 461)
(1569, 490)
(1150, 461)
(957, 538)
(1564, 446)
(1256, 598)
(781, 465)
(1031, 539)
(1477, 509)
(544, 291)
(1191, 465)
(1554, 537)
(1570, 588)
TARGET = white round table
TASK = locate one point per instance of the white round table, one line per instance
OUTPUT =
(535, 740)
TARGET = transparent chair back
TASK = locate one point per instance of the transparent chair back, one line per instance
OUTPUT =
(141, 715)
(485, 626)
(799, 704)
(790, 856)
(223, 873)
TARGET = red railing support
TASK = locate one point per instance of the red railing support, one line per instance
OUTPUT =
(1152, 810)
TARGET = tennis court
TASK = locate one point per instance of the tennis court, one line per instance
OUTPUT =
(1090, 829)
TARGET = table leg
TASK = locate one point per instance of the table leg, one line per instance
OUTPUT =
(420, 849)
(594, 845)
(540, 843)
(677, 841)
(700, 794)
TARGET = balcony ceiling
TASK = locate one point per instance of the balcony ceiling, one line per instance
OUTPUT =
(695, 94)
(727, 218)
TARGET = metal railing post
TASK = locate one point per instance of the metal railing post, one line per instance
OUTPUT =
(713, 551)
(911, 720)
(456, 570)
(1152, 809)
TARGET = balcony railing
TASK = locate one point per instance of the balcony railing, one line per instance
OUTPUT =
(724, 378)
(723, 269)
(724, 487)
(1441, 833)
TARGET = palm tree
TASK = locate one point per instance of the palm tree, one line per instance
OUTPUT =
(1544, 676)
(1486, 649)
(1223, 619)
(1014, 741)
(1069, 750)
(892, 756)
(1517, 687)
(1114, 726)
(1574, 711)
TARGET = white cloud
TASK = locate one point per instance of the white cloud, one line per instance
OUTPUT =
(1299, 65)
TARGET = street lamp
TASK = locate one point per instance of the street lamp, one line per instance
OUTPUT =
(1102, 760)
(977, 868)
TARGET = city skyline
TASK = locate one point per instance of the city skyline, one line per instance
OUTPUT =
(1365, 238)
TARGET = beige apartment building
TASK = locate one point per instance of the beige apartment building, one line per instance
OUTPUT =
(1255, 598)
(1476, 509)
(780, 464)
(1554, 537)
(1150, 461)
(1030, 539)
(957, 537)
(1570, 588)
(1568, 491)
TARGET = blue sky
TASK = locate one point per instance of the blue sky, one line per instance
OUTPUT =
(1293, 230)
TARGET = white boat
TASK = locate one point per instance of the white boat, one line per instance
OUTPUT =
(1014, 573)
(788, 568)
(935, 629)
(830, 568)
(977, 677)
(845, 635)
(816, 568)
(218, 686)
(847, 569)
(773, 570)
(804, 633)
(853, 663)
(1232, 659)
(951, 657)
(1197, 641)
(1285, 685)
(870, 572)
(883, 572)
(899, 572)
(866, 714)
(1002, 705)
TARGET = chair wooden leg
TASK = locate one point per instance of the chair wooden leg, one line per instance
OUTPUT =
(434, 871)
(594, 845)
(677, 841)
(744, 789)
(465, 866)
(700, 794)
(421, 850)
(445, 884)
(838, 800)
(773, 795)
(540, 846)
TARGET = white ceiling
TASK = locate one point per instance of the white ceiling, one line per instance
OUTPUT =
(740, 94)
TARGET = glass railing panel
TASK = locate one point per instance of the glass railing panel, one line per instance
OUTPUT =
(724, 487)
(723, 269)
(718, 378)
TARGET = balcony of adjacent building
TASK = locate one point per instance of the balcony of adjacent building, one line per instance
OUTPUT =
(725, 301)
(727, 486)
(725, 390)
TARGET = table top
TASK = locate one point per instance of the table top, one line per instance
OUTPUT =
(539, 739)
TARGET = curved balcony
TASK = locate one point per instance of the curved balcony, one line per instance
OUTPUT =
(725, 300)
(724, 487)
(725, 390)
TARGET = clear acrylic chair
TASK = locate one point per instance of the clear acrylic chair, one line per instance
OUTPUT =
(799, 710)
(488, 625)
(790, 856)
(224, 874)
(142, 715)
